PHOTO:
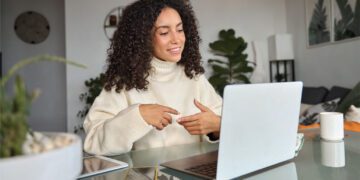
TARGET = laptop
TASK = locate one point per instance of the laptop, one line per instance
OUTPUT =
(258, 129)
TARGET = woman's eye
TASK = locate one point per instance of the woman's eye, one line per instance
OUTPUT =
(163, 33)
(180, 30)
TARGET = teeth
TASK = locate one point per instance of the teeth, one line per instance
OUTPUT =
(174, 50)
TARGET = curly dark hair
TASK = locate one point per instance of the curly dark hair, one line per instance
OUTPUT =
(130, 52)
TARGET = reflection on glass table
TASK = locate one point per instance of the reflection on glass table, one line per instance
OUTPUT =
(286, 171)
(312, 161)
(93, 165)
(332, 153)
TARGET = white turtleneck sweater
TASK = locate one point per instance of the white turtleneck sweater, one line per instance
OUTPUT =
(114, 124)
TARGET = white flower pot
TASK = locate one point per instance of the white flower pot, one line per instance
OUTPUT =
(63, 163)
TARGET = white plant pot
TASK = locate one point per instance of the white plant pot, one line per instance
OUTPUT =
(63, 163)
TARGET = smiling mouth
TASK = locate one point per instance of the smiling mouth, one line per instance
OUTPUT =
(175, 51)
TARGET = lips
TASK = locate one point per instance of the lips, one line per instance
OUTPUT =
(175, 51)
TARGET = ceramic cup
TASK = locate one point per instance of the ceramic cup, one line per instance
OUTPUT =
(331, 126)
(332, 153)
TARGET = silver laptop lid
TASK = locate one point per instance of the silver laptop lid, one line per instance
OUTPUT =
(258, 127)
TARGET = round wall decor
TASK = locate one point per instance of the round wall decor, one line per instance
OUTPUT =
(32, 27)
(111, 21)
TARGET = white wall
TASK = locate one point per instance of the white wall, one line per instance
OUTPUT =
(87, 44)
(48, 112)
(328, 65)
(253, 20)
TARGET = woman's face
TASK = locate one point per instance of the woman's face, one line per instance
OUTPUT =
(168, 36)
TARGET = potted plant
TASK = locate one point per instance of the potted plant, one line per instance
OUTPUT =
(94, 87)
(235, 69)
(25, 154)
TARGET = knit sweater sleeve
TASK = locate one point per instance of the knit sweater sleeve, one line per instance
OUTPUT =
(112, 125)
(209, 98)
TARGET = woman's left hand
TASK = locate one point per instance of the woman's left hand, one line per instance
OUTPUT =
(204, 122)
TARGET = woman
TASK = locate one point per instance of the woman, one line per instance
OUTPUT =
(155, 93)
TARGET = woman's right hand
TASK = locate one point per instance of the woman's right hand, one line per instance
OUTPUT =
(157, 115)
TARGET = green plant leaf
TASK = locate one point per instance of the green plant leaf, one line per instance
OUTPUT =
(227, 34)
(236, 66)
(220, 46)
(216, 61)
(94, 87)
(219, 69)
(242, 45)
(238, 59)
(243, 69)
(349, 24)
(345, 11)
(22, 99)
(227, 43)
(318, 31)
(355, 25)
(218, 82)
(242, 78)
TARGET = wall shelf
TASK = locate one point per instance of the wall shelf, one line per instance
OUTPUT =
(111, 21)
(282, 70)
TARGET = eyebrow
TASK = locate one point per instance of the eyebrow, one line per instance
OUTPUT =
(156, 28)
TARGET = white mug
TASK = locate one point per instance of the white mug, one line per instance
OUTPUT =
(331, 126)
(332, 153)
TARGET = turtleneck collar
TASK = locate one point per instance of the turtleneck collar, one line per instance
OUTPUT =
(162, 70)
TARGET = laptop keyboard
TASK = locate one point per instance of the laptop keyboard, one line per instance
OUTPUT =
(208, 169)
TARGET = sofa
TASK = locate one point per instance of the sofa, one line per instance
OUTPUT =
(319, 99)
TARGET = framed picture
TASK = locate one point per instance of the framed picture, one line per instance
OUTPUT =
(318, 21)
(346, 19)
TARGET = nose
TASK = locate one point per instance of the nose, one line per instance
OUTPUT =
(174, 38)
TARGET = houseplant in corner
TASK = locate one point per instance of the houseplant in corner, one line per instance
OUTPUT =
(236, 68)
(94, 87)
(33, 155)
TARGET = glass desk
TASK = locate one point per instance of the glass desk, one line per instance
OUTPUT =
(316, 160)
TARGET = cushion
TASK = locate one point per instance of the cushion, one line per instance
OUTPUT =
(311, 116)
(313, 95)
(304, 108)
(353, 114)
(353, 98)
(337, 92)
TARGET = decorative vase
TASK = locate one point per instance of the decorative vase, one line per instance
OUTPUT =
(64, 163)
(112, 20)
